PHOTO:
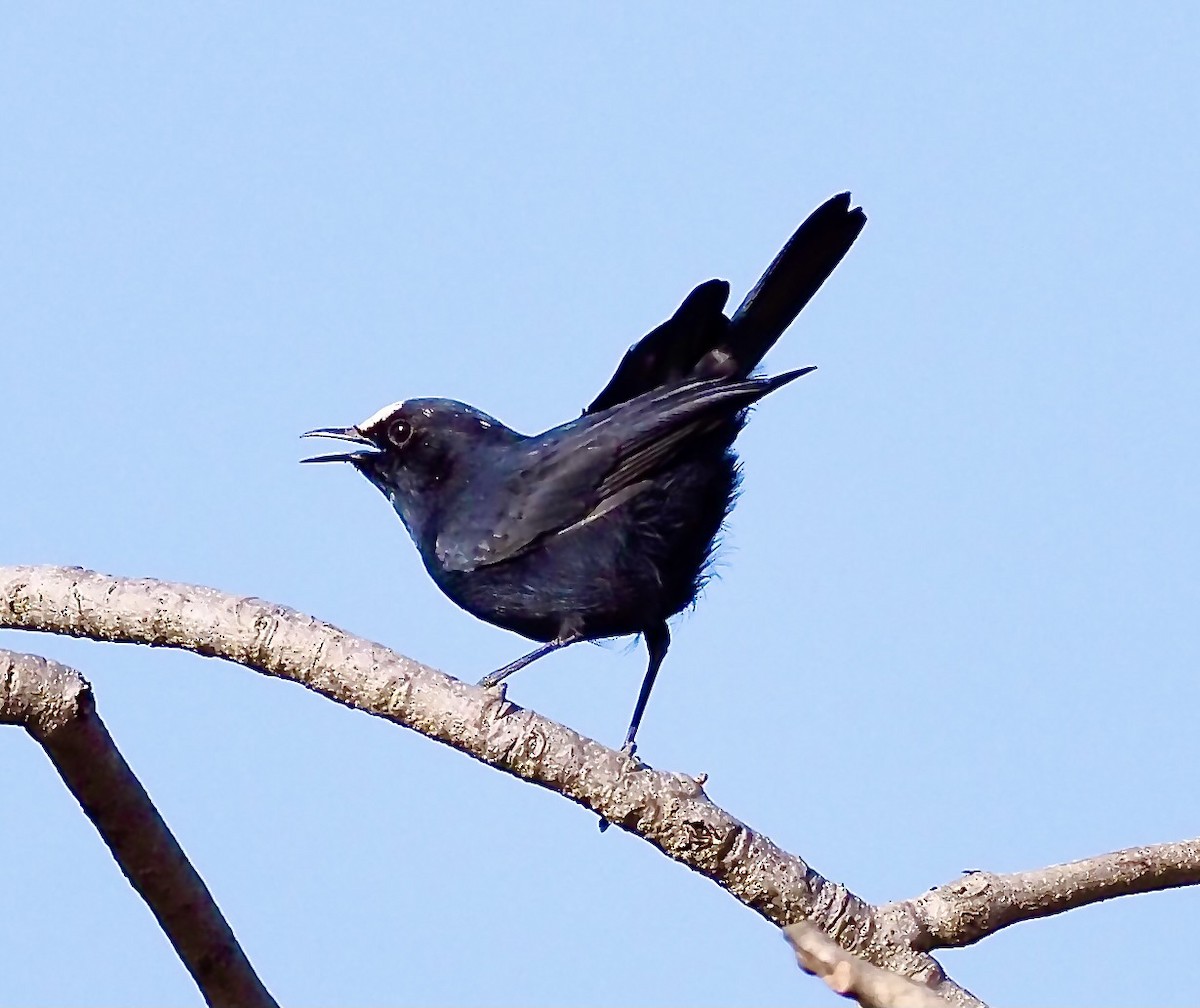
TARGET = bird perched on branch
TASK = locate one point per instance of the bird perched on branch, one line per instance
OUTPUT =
(603, 526)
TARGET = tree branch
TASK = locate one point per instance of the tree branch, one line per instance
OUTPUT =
(56, 706)
(981, 903)
(669, 810)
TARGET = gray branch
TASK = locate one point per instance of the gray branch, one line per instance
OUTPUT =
(55, 705)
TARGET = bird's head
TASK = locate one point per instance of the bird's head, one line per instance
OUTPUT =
(415, 451)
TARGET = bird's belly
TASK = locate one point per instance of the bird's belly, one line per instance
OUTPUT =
(628, 570)
(527, 596)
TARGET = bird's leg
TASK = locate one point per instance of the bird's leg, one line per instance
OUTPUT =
(566, 636)
(658, 639)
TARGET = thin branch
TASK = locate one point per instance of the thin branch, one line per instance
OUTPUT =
(669, 810)
(56, 706)
(981, 903)
(852, 977)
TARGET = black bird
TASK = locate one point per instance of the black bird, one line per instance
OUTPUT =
(603, 526)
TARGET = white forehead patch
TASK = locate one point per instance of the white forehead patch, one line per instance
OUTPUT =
(374, 418)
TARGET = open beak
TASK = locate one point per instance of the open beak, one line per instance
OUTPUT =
(352, 434)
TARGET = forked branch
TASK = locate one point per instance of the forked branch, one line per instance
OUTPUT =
(669, 810)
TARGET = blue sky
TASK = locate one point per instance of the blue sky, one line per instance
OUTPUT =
(956, 620)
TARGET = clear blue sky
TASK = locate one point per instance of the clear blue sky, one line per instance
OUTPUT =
(957, 620)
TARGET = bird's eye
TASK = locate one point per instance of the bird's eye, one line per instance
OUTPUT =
(399, 432)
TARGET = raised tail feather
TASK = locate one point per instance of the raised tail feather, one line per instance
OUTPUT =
(790, 282)
(699, 339)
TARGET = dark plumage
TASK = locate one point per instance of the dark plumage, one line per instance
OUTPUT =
(603, 526)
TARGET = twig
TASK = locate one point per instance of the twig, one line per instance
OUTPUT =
(981, 903)
(852, 977)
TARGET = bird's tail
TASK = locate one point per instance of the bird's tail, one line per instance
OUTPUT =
(789, 283)
(698, 341)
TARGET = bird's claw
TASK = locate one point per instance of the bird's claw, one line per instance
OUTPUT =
(629, 750)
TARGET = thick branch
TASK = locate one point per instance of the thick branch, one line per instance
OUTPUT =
(55, 705)
(852, 977)
(981, 903)
(669, 810)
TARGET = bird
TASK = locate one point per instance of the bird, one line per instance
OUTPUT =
(604, 526)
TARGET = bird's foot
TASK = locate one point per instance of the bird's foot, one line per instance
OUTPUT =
(568, 636)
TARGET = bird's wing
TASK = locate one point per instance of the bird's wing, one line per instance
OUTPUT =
(578, 472)
(699, 341)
